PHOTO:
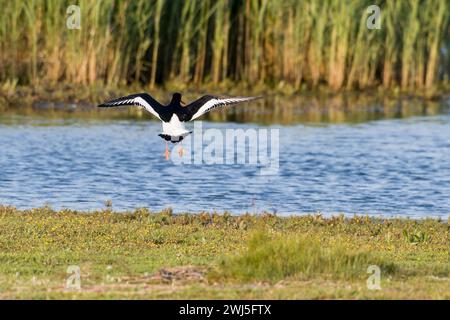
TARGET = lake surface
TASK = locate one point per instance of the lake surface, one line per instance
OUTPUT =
(394, 167)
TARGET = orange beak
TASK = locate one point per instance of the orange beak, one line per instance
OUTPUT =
(182, 102)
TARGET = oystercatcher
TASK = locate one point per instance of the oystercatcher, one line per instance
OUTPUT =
(176, 113)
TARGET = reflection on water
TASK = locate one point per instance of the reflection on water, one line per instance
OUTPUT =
(271, 110)
(388, 167)
(338, 109)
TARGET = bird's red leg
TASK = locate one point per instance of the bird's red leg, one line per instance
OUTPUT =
(167, 153)
(180, 150)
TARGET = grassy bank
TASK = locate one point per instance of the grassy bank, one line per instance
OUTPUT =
(142, 254)
(263, 43)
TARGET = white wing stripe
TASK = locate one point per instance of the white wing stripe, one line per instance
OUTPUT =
(136, 101)
(214, 103)
(141, 102)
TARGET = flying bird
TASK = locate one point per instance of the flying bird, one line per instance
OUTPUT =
(176, 113)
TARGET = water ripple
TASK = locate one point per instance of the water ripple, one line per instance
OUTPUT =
(389, 167)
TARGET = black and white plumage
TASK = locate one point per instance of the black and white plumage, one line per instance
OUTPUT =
(174, 115)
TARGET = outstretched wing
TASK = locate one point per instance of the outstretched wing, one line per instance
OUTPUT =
(139, 99)
(206, 103)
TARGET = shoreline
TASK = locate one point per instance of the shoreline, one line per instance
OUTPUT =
(277, 107)
(219, 256)
(170, 211)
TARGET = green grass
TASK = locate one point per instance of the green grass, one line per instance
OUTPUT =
(268, 259)
(145, 254)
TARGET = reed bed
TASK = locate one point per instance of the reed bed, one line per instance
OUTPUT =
(260, 43)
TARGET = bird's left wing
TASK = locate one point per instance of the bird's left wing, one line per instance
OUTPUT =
(140, 99)
(206, 103)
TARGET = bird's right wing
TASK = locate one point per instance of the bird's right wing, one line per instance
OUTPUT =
(206, 103)
(140, 99)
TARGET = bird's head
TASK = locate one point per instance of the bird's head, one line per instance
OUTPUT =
(176, 97)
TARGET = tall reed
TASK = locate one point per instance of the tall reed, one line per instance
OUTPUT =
(293, 43)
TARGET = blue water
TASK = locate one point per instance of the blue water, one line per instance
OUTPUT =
(397, 167)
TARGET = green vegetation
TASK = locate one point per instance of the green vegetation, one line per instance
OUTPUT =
(282, 44)
(142, 254)
(281, 258)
